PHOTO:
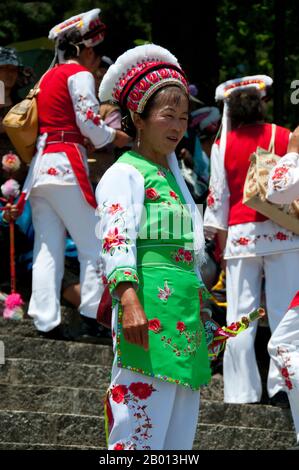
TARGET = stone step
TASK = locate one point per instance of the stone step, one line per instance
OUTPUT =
(69, 351)
(28, 446)
(35, 429)
(71, 323)
(49, 373)
(90, 402)
(21, 371)
(219, 437)
(52, 399)
(51, 428)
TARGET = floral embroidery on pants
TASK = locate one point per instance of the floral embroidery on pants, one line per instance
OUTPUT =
(135, 396)
(286, 365)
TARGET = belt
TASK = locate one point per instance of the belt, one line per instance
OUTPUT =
(67, 137)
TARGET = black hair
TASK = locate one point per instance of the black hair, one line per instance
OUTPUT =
(246, 107)
(169, 93)
(71, 46)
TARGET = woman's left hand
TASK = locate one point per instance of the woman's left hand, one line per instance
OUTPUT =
(11, 212)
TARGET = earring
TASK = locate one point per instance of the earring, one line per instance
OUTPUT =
(138, 137)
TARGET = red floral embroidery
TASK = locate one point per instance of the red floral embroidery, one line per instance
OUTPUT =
(210, 199)
(193, 340)
(119, 446)
(152, 194)
(183, 255)
(279, 173)
(130, 397)
(114, 208)
(141, 390)
(285, 370)
(113, 239)
(173, 195)
(128, 273)
(96, 120)
(280, 236)
(118, 393)
(155, 325)
(91, 116)
(243, 241)
(52, 171)
(180, 326)
(188, 257)
(267, 236)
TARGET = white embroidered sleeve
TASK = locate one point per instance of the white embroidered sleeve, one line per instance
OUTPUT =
(82, 91)
(216, 214)
(120, 197)
(283, 183)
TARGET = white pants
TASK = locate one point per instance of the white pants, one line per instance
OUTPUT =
(55, 209)
(283, 348)
(242, 381)
(146, 413)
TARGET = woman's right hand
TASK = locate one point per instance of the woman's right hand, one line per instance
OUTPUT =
(134, 321)
(294, 141)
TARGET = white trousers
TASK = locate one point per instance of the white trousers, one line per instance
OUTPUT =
(283, 348)
(146, 413)
(242, 381)
(55, 209)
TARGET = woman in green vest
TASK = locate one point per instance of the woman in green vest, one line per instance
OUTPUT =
(152, 247)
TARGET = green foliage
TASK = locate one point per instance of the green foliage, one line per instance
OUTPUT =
(245, 32)
(245, 38)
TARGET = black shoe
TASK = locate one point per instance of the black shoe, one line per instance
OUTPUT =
(57, 333)
(280, 399)
(91, 331)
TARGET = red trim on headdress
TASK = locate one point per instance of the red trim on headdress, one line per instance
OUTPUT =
(150, 66)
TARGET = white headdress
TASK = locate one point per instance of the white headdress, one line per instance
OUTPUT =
(89, 26)
(224, 91)
(138, 73)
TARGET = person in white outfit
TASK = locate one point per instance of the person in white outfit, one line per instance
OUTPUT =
(61, 195)
(283, 347)
(253, 246)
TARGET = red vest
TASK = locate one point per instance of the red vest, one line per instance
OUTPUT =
(56, 113)
(55, 107)
(240, 144)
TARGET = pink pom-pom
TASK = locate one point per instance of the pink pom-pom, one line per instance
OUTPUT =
(13, 301)
(11, 162)
(10, 189)
(13, 307)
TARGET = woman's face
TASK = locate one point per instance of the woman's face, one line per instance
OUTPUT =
(166, 124)
(8, 75)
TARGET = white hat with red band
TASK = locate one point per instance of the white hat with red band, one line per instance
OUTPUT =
(88, 24)
(138, 73)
